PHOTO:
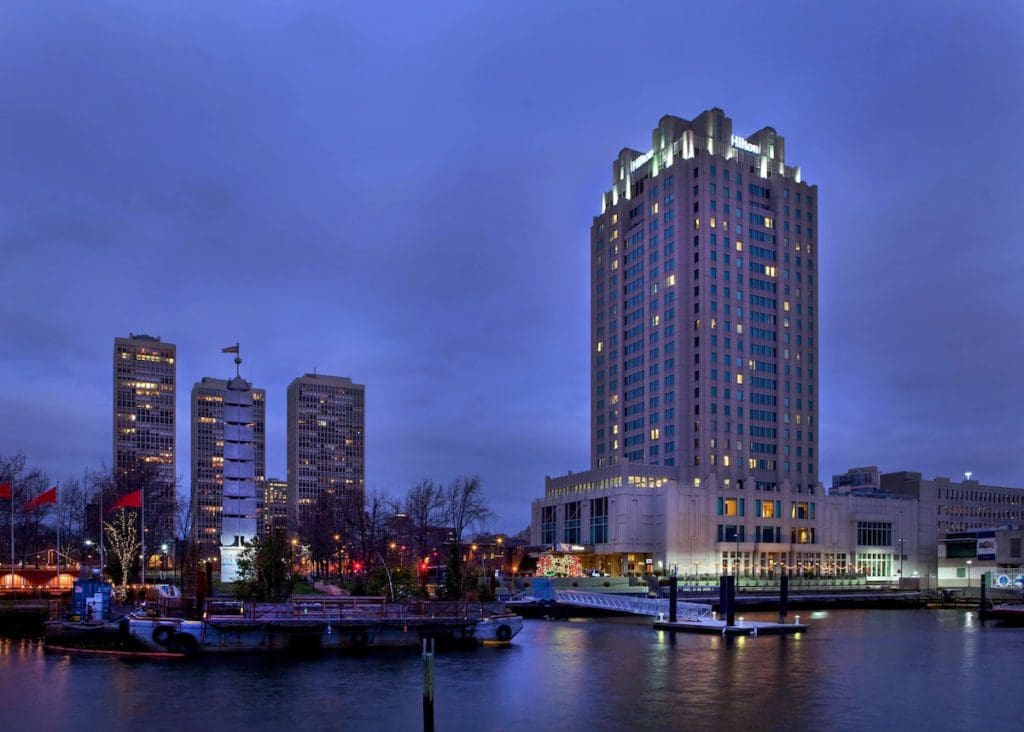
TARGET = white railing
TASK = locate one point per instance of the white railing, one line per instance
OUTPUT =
(635, 605)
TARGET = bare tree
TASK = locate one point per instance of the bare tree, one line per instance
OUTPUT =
(73, 498)
(323, 523)
(465, 506)
(30, 533)
(424, 504)
(369, 532)
(183, 544)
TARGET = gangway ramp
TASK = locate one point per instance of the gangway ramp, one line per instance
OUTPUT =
(634, 605)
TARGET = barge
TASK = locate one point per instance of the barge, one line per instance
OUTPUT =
(339, 623)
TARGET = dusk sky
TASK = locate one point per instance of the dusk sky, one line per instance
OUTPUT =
(403, 196)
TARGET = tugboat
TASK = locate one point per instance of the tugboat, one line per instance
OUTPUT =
(347, 623)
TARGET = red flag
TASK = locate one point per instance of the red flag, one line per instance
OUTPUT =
(5, 491)
(42, 499)
(128, 500)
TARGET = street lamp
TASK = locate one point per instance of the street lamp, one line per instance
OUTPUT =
(903, 543)
(968, 574)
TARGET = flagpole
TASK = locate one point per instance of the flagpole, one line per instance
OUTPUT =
(102, 563)
(58, 535)
(142, 509)
(12, 534)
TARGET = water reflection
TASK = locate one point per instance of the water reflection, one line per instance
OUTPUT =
(854, 670)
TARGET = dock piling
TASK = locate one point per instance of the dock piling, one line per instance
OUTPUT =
(783, 598)
(673, 597)
(730, 584)
(428, 685)
(983, 602)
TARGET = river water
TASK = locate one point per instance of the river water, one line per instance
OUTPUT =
(854, 670)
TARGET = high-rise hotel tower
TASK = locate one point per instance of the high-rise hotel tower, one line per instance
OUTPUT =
(704, 309)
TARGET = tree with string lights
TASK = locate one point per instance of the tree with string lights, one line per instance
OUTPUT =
(122, 536)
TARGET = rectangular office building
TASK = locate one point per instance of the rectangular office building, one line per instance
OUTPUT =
(144, 427)
(326, 444)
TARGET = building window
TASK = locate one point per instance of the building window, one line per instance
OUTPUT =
(571, 534)
(874, 533)
(801, 535)
(598, 520)
(802, 510)
(549, 525)
(768, 509)
(731, 507)
(731, 532)
(874, 564)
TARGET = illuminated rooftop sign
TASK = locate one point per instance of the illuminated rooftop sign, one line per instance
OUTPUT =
(741, 144)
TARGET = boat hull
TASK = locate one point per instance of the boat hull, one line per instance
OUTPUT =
(239, 635)
(1008, 615)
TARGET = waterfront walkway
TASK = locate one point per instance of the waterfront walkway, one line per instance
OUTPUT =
(633, 605)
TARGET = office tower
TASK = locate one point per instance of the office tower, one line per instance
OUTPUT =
(208, 446)
(275, 505)
(144, 424)
(704, 312)
(326, 443)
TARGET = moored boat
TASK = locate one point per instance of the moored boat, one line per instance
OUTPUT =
(1008, 614)
(348, 623)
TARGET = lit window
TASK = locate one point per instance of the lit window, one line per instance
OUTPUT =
(670, 280)
(739, 246)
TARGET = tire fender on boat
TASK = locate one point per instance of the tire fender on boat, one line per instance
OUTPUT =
(185, 644)
(162, 634)
(503, 632)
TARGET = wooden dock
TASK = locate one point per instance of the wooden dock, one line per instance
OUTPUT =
(718, 627)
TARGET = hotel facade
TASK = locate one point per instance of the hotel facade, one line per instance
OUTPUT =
(704, 379)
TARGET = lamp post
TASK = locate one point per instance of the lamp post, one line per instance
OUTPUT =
(87, 554)
(968, 574)
(903, 543)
